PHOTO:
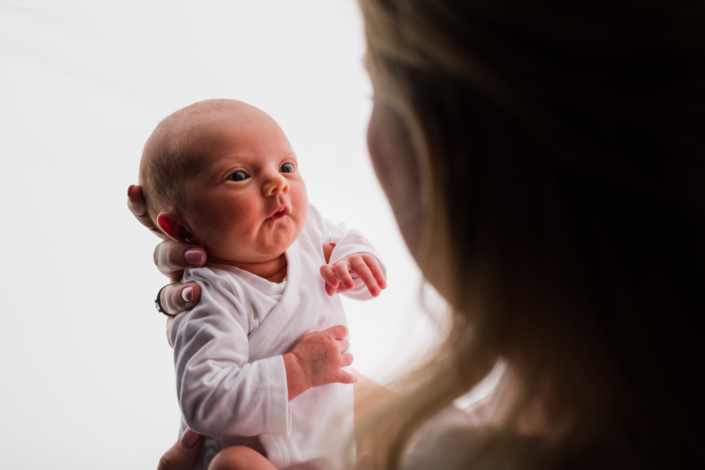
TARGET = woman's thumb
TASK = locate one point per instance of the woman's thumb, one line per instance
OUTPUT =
(183, 454)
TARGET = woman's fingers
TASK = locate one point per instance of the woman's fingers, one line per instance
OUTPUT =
(177, 298)
(183, 454)
(172, 257)
(135, 202)
(169, 325)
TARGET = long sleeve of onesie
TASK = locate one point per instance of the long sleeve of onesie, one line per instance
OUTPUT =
(219, 392)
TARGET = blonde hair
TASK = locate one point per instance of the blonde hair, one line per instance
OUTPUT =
(560, 148)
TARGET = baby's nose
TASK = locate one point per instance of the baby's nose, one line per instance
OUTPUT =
(275, 185)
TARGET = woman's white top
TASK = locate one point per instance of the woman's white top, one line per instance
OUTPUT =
(230, 376)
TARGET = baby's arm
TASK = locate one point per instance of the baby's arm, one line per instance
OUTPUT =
(220, 393)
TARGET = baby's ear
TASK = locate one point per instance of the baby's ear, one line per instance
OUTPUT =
(172, 226)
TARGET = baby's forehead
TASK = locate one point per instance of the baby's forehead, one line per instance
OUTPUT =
(203, 132)
(199, 132)
(243, 129)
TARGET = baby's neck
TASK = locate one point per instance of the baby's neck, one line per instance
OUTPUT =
(273, 271)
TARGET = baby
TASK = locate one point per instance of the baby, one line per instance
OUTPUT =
(261, 361)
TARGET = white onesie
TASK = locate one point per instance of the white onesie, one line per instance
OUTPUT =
(230, 376)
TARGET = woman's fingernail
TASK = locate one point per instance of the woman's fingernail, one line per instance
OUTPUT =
(129, 190)
(189, 438)
(187, 294)
(194, 256)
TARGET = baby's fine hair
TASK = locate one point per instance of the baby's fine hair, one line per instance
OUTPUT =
(172, 152)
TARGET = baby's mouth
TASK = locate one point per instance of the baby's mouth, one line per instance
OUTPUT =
(281, 212)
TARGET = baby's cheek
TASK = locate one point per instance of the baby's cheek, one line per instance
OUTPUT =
(213, 230)
(300, 203)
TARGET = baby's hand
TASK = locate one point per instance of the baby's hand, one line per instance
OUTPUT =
(339, 276)
(317, 361)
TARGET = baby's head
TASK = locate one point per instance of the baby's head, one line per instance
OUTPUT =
(222, 174)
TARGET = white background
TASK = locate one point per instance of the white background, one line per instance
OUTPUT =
(86, 372)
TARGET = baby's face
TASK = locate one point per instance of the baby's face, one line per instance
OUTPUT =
(248, 203)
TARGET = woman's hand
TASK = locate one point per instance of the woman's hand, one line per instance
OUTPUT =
(183, 454)
(171, 258)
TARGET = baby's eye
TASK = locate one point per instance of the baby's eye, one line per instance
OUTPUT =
(287, 168)
(238, 176)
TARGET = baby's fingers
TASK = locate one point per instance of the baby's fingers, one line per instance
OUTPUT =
(346, 359)
(342, 272)
(328, 275)
(337, 332)
(365, 273)
(376, 271)
(343, 345)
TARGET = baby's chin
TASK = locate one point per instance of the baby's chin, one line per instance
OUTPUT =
(255, 255)
(263, 247)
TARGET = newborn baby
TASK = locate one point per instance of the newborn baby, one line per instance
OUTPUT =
(261, 361)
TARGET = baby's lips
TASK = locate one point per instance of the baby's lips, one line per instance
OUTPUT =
(280, 211)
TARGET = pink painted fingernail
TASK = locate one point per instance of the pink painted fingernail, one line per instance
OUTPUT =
(187, 294)
(129, 190)
(189, 438)
(194, 256)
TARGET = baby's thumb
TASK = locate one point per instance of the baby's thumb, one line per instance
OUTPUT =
(338, 331)
(346, 378)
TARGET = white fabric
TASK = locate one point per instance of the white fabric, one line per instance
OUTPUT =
(231, 381)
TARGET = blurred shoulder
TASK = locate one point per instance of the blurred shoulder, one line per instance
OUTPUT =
(446, 441)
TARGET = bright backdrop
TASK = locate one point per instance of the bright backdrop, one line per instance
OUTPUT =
(87, 374)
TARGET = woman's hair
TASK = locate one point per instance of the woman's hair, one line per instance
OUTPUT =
(561, 146)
